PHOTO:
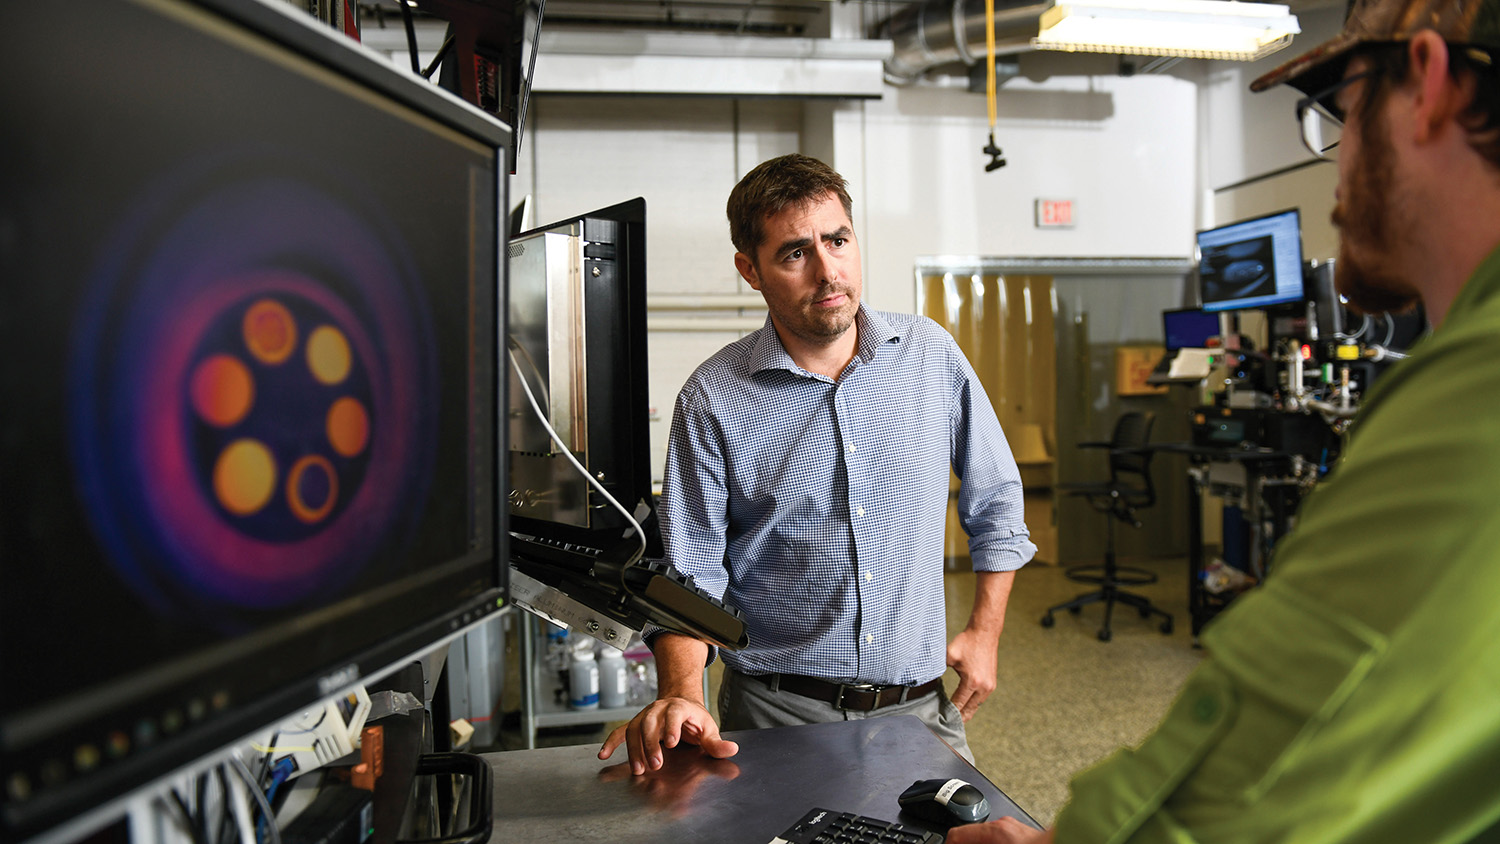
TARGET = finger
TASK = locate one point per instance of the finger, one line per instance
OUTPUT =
(636, 743)
(671, 728)
(980, 833)
(705, 734)
(974, 702)
(641, 760)
(961, 695)
(720, 748)
(1004, 831)
(971, 706)
(614, 740)
(650, 736)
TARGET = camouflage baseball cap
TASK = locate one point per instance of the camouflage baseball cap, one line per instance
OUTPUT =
(1475, 22)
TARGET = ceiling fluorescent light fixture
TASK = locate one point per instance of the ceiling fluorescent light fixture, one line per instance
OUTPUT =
(1198, 29)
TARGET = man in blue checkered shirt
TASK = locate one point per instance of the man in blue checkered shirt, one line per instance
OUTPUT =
(807, 484)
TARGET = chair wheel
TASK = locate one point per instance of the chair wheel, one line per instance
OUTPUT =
(1048, 620)
(1166, 627)
(1105, 635)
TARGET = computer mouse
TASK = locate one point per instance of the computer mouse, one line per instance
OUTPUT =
(949, 802)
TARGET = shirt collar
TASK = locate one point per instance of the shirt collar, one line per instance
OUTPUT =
(874, 332)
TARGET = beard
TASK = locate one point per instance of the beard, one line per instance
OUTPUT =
(833, 323)
(821, 325)
(1365, 274)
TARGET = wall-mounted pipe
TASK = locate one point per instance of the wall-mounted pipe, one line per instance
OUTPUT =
(940, 32)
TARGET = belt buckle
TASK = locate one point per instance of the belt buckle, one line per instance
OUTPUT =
(838, 699)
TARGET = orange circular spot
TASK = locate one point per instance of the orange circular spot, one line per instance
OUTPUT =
(328, 354)
(315, 471)
(221, 390)
(244, 477)
(270, 331)
(348, 426)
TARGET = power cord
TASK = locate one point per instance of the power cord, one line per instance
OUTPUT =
(272, 832)
(640, 532)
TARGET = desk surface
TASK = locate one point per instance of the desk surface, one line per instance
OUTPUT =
(568, 794)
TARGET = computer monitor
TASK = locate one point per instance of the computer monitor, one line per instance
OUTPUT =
(1188, 328)
(1255, 263)
(585, 543)
(249, 437)
(578, 322)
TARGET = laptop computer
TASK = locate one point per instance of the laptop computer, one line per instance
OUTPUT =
(1182, 328)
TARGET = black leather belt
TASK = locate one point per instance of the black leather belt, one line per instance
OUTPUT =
(853, 697)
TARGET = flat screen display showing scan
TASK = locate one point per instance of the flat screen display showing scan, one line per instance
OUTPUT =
(1251, 264)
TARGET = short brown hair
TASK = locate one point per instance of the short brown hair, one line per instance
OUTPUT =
(1480, 118)
(773, 186)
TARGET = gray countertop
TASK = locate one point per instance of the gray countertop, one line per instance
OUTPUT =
(566, 794)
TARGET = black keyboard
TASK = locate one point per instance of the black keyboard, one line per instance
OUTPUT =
(654, 592)
(821, 826)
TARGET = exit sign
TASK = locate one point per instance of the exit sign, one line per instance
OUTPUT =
(1054, 213)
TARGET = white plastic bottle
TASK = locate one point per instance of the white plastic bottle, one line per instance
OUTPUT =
(614, 680)
(583, 680)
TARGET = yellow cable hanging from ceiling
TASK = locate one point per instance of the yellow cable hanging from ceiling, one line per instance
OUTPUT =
(989, 47)
(996, 162)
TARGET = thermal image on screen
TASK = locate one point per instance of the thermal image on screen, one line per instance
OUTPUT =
(252, 390)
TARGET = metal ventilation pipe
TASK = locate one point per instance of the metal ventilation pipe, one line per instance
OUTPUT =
(941, 32)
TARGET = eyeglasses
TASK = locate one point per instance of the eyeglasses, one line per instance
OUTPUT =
(1321, 118)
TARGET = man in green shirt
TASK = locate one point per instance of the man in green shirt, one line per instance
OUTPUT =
(1355, 697)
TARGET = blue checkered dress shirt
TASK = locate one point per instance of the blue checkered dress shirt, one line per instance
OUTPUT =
(818, 506)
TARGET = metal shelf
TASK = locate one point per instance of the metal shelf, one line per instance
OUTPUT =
(539, 687)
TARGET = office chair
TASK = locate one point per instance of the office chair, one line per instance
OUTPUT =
(1128, 489)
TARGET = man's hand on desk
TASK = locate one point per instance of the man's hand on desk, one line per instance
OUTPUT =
(1002, 831)
(666, 723)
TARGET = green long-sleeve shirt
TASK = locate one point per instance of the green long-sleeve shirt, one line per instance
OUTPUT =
(1355, 697)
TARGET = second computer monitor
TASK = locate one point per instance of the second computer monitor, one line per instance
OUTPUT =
(1255, 263)
(578, 332)
(1188, 328)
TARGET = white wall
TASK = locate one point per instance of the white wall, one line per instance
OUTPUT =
(1253, 140)
(1123, 149)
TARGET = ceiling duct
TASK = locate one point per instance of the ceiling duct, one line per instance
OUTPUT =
(939, 32)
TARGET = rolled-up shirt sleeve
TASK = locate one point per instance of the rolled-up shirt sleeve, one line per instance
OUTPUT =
(991, 503)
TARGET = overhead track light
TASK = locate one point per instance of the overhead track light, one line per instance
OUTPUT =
(1201, 29)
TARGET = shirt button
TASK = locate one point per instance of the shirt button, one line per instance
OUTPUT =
(850, 447)
(860, 511)
(869, 638)
(869, 577)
